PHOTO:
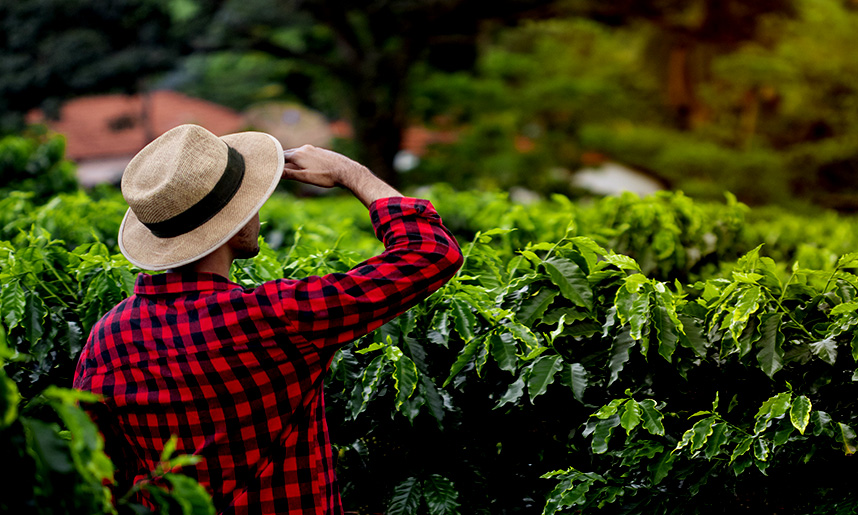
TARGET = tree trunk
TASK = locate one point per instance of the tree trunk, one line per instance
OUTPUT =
(748, 117)
(378, 109)
(680, 86)
(378, 128)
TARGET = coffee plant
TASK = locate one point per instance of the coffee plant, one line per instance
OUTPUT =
(629, 356)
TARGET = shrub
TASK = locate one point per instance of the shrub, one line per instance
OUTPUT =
(35, 162)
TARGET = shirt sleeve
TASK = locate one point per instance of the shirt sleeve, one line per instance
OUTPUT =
(420, 256)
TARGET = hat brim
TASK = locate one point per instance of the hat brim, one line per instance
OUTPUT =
(263, 161)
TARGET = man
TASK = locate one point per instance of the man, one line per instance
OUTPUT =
(237, 374)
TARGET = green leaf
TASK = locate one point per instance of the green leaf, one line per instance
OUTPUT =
(4, 345)
(465, 357)
(602, 434)
(825, 349)
(533, 307)
(72, 338)
(847, 436)
(432, 399)
(855, 346)
(440, 495)
(698, 435)
(392, 352)
(610, 321)
(716, 440)
(633, 308)
(503, 350)
(576, 495)
(748, 278)
(369, 383)
(847, 260)
(652, 418)
(9, 399)
(561, 323)
(542, 374)
(799, 413)
(523, 334)
(406, 498)
(35, 312)
(531, 256)
(630, 415)
(127, 280)
(576, 377)
(372, 347)
(190, 495)
(846, 307)
(52, 451)
(694, 337)
(662, 467)
(620, 354)
(482, 355)
(771, 353)
(486, 236)
(748, 303)
(513, 393)
(465, 319)
(12, 303)
(622, 262)
(439, 333)
(183, 460)
(169, 448)
(775, 407)
(741, 448)
(609, 410)
(571, 280)
(761, 449)
(750, 335)
(405, 379)
(750, 259)
(585, 243)
(666, 332)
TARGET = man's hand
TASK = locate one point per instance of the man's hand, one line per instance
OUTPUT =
(320, 167)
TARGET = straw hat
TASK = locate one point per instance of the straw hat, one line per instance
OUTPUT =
(189, 192)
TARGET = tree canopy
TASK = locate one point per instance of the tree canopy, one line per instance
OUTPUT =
(51, 50)
(706, 95)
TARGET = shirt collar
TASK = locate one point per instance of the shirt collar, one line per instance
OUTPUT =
(172, 283)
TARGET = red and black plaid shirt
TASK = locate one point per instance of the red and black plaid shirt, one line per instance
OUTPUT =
(237, 373)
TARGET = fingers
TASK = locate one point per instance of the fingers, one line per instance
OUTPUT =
(293, 155)
(318, 166)
(305, 164)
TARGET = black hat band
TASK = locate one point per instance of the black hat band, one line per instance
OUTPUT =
(208, 206)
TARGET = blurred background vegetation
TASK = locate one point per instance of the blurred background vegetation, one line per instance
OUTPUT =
(755, 97)
(732, 101)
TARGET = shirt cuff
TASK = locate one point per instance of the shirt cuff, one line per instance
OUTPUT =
(385, 210)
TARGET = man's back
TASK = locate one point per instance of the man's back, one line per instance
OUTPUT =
(237, 374)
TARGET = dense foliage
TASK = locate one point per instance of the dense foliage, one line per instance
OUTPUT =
(704, 95)
(36, 163)
(51, 50)
(629, 356)
(708, 96)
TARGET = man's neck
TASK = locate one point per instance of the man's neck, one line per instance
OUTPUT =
(218, 262)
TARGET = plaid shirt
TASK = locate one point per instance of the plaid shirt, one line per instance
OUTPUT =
(237, 374)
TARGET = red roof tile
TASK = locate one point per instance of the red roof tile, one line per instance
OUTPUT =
(416, 139)
(113, 125)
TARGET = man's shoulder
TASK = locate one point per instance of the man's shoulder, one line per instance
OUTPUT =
(109, 320)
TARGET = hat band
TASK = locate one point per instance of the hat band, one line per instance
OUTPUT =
(208, 206)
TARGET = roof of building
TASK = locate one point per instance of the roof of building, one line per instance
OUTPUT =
(107, 126)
